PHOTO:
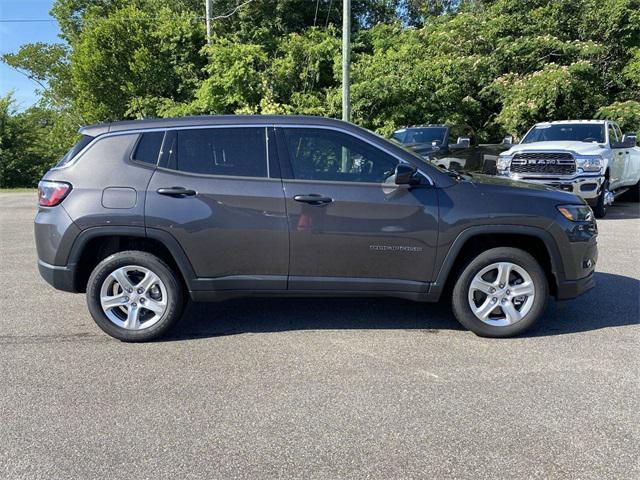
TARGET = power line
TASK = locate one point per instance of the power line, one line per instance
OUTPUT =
(227, 14)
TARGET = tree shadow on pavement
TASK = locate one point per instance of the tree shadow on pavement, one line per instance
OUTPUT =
(615, 302)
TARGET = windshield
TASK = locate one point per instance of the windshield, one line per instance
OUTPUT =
(83, 142)
(421, 135)
(586, 132)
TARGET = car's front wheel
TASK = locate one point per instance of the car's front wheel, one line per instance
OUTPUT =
(500, 293)
(134, 296)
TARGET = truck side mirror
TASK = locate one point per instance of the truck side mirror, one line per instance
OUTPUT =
(630, 140)
(405, 175)
(507, 140)
(463, 142)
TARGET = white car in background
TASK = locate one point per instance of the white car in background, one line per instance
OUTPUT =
(591, 158)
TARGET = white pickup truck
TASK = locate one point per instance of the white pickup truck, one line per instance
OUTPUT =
(591, 158)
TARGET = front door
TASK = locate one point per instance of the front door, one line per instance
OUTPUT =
(349, 230)
(216, 193)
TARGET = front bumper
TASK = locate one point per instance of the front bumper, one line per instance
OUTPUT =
(585, 186)
(569, 289)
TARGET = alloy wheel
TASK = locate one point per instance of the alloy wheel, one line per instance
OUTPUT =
(133, 297)
(501, 294)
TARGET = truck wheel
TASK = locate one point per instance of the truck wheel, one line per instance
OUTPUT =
(600, 209)
(500, 293)
(134, 296)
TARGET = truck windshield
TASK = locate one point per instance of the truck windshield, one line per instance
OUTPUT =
(73, 151)
(421, 135)
(583, 132)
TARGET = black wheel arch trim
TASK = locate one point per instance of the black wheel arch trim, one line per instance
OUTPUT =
(165, 238)
(557, 268)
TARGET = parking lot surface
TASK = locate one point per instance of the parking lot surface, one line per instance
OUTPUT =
(349, 388)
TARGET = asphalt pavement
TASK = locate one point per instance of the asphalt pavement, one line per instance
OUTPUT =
(348, 388)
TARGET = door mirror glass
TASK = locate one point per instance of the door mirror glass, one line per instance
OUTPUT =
(507, 140)
(630, 140)
(405, 175)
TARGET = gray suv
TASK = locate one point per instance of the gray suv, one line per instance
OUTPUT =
(142, 215)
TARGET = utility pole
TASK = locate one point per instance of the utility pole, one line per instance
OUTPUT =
(208, 19)
(346, 58)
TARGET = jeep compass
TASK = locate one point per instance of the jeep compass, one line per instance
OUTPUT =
(142, 215)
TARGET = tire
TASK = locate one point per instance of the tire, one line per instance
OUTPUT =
(600, 208)
(526, 275)
(128, 315)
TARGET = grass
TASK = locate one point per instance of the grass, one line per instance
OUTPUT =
(18, 190)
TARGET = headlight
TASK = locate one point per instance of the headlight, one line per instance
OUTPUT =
(576, 213)
(503, 162)
(591, 163)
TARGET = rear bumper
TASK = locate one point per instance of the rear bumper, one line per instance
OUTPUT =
(569, 289)
(58, 277)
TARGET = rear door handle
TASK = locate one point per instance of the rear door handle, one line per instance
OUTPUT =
(313, 199)
(176, 192)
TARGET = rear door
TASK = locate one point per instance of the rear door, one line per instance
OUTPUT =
(349, 230)
(216, 192)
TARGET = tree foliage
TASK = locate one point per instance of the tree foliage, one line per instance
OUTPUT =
(494, 66)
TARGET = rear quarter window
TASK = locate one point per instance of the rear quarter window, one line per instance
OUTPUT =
(74, 151)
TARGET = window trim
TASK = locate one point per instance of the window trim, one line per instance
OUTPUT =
(276, 126)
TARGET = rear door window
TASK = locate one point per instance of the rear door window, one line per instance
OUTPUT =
(239, 152)
(148, 148)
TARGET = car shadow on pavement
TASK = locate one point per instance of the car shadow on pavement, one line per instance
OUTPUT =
(615, 302)
(623, 211)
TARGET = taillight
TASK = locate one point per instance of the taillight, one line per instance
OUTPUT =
(51, 194)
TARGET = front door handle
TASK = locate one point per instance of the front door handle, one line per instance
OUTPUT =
(313, 199)
(176, 192)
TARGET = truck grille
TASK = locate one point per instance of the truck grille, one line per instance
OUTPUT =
(553, 163)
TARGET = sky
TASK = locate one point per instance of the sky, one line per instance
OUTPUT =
(13, 35)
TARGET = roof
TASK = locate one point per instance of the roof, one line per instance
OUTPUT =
(203, 120)
(430, 125)
(556, 122)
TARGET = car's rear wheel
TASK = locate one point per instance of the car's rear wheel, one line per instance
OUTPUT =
(500, 293)
(134, 296)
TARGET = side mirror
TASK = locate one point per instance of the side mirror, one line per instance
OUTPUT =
(630, 140)
(463, 142)
(508, 140)
(405, 175)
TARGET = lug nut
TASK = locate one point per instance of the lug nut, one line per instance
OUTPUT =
(504, 300)
(502, 285)
(492, 289)
(134, 304)
(508, 292)
(142, 300)
(140, 291)
(494, 299)
(126, 299)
